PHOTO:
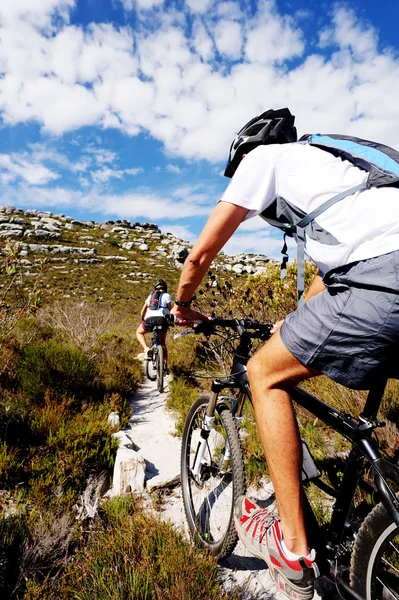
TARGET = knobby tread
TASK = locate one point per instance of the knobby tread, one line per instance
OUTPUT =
(160, 368)
(224, 547)
(375, 524)
(148, 369)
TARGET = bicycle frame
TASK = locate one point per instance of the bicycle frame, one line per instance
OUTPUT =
(357, 432)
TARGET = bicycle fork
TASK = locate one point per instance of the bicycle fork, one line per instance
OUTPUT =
(207, 426)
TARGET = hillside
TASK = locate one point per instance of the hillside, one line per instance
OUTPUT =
(71, 293)
(102, 261)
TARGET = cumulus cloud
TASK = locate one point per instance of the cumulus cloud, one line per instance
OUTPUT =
(199, 6)
(269, 243)
(173, 169)
(103, 175)
(162, 75)
(180, 231)
(187, 79)
(14, 167)
(134, 171)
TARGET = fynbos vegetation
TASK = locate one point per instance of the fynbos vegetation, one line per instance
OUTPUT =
(71, 294)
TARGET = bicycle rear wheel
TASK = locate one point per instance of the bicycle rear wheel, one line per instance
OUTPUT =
(374, 568)
(210, 496)
(150, 366)
(159, 361)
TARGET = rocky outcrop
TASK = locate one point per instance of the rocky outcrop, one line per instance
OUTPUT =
(40, 233)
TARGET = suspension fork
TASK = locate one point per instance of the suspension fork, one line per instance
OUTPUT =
(206, 429)
(207, 426)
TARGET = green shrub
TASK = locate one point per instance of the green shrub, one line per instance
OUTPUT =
(136, 556)
(63, 369)
(118, 369)
(181, 396)
(13, 530)
(9, 463)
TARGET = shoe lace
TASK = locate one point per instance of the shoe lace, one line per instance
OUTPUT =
(262, 520)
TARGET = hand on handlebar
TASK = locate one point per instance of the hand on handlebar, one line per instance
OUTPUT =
(187, 317)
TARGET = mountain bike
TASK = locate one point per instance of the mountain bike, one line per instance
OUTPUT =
(360, 556)
(155, 367)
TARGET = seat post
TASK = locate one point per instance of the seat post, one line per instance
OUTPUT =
(374, 398)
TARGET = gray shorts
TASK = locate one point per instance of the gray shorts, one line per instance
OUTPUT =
(350, 331)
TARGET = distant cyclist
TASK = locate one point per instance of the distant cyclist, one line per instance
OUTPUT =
(155, 310)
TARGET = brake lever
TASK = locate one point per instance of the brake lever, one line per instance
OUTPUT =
(182, 333)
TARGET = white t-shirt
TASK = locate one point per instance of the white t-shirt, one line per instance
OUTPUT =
(163, 309)
(365, 224)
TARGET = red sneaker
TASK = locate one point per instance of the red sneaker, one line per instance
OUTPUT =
(261, 534)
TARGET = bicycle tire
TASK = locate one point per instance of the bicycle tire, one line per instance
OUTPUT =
(209, 501)
(150, 367)
(160, 373)
(374, 569)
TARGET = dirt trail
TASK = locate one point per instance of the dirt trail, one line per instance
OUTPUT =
(152, 430)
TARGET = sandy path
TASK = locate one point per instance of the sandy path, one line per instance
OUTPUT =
(152, 430)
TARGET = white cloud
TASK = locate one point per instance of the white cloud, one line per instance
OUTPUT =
(134, 171)
(202, 43)
(143, 4)
(161, 78)
(269, 244)
(180, 231)
(15, 166)
(173, 169)
(103, 175)
(199, 6)
(228, 39)
(101, 155)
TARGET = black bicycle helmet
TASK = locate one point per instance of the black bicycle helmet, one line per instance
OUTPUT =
(271, 127)
(160, 283)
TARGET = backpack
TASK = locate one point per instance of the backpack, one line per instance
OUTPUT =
(382, 164)
(155, 298)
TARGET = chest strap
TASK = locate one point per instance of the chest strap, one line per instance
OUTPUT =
(300, 235)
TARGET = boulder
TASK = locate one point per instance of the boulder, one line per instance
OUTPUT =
(113, 419)
(129, 472)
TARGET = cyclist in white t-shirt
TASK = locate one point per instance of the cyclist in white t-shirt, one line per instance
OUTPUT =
(348, 327)
(155, 310)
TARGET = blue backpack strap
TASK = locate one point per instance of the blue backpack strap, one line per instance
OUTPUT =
(300, 231)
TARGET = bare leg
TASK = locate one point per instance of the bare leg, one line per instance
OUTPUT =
(272, 371)
(140, 335)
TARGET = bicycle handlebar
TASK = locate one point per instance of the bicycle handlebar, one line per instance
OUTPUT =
(243, 327)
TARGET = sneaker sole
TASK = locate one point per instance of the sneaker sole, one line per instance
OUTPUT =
(298, 593)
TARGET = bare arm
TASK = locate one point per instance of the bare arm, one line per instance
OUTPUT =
(143, 311)
(316, 287)
(221, 225)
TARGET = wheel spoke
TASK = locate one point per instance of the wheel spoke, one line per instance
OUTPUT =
(387, 562)
(393, 595)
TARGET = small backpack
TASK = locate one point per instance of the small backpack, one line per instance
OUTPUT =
(155, 299)
(382, 164)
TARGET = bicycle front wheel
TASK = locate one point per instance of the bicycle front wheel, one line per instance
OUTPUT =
(210, 495)
(159, 362)
(150, 367)
(375, 557)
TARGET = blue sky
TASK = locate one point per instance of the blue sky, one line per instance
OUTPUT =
(126, 108)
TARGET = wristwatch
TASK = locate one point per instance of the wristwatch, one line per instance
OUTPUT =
(183, 304)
